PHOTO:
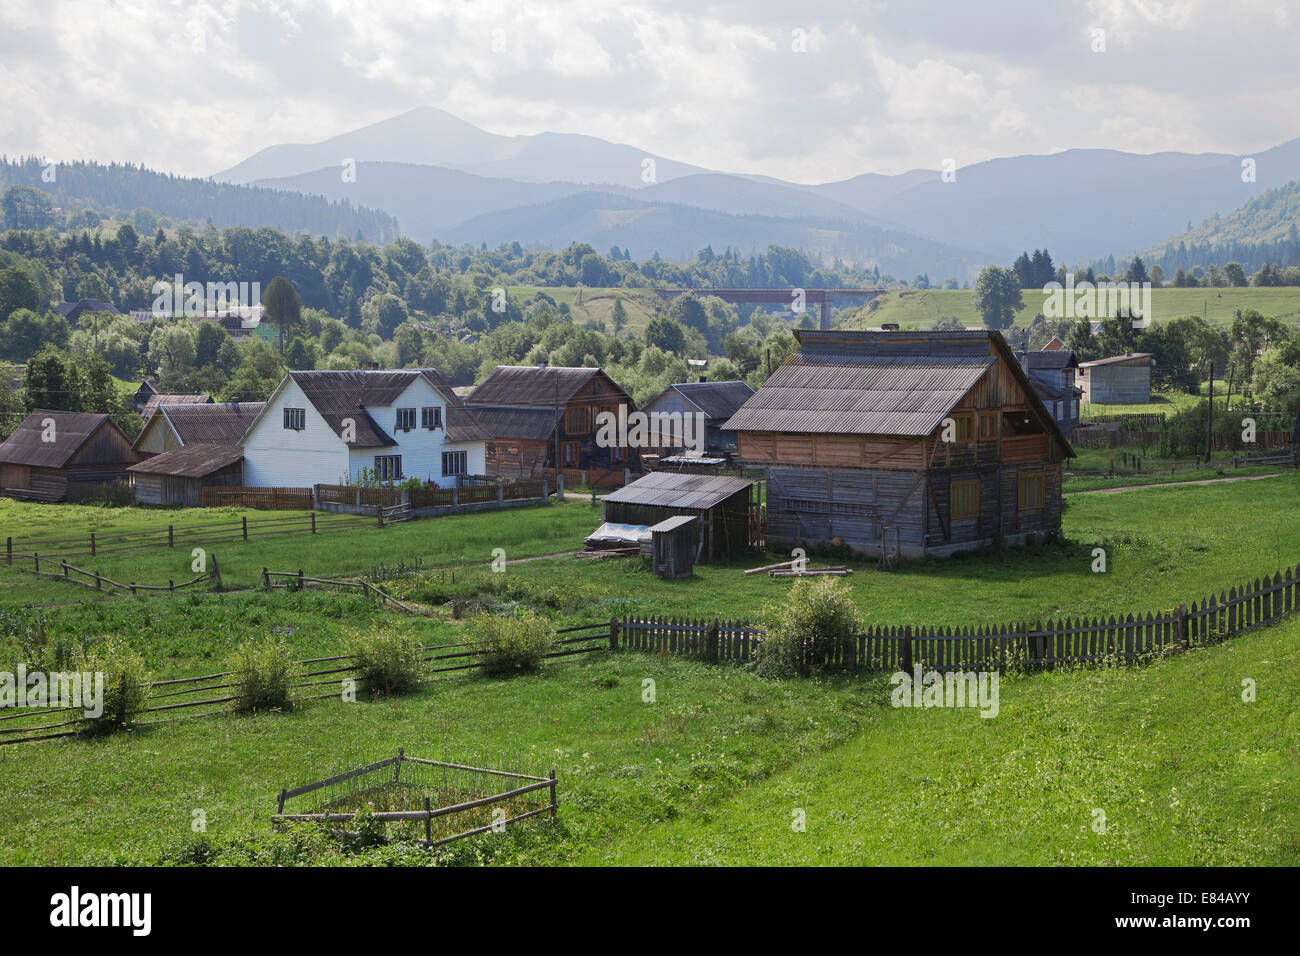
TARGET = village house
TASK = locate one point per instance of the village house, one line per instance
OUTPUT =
(1118, 380)
(926, 443)
(521, 406)
(1052, 371)
(716, 402)
(175, 426)
(338, 427)
(56, 455)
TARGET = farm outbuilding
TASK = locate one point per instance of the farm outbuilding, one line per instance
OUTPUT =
(673, 545)
(923, 443)
(726, 508)
(56, 455)
(178, 477)
(1118, 380)
(174, 426)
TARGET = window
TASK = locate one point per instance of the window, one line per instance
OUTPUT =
(577, 420)
(1031, 491)
(965, 501)
(455, 462)
(965, 427)
(570, 453)
(295, 418)
(431, 418)
(388, 467)
(405, 419)
(988, 426)
(617, 453)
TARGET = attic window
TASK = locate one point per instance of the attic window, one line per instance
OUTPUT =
(295, 418)
(405, 419)
(431, 418)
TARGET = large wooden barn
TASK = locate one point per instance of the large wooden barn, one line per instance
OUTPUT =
(851, 433)
(56, 455)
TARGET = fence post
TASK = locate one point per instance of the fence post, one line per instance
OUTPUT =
(244, 519)
(613, 633)
(379, 512)
(215, 574)
(1180, 626)
(428, 821)
(280, 808)
(99, 582)
(9, 546)
(554, 801)
(171, 585)
(92, 544)
(313, 522)
(905, 664)
(300, 581)
(711, 642)
(397, 767)
(501, 493)
(546, 496)
(36, 560)
(266, 577)
(171, 536)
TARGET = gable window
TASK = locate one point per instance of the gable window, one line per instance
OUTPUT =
(455, 462)
(988, 426)
(405, 419)
(577, 420)
(431, 418)
(1030, 492)
(965, 427)
(295, 418)
(965, 499)
(388, 467)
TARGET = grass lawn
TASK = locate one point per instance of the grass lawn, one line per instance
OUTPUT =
(915, 309)
(597, 304)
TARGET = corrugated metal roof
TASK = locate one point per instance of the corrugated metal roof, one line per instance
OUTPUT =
(1134, 358)
(530, 385)
(670, 489)
(157, 399)
(27, 445)
(463, 425)
(717, 400)
(673, 523)
(216, 424)
(849, 395)
(516, 421)
(192, 461)
(1050, 359)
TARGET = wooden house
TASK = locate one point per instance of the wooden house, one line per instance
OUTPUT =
(714, 402)
(933, 442)
(175, 426)
(725, 508)
(178, 477)
(1118, 380)
(56, 455)
(521, 406)
(1052, 370)
(156, 400)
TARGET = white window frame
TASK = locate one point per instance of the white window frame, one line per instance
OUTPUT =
(431, 417)
(409, 415)
(388, 467)
(298, 415)
(455, 457)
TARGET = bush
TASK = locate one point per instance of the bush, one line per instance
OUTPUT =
(388, 662)
(817, 622)
(515, 644)
(265, 674)
(125, 678)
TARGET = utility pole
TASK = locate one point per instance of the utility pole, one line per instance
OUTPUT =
(1209, 427)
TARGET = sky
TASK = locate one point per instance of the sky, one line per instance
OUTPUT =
(809, 91)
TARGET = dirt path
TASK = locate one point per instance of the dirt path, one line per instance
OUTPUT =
(1176, 484)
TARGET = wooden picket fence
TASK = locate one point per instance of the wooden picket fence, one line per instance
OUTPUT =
(266, 499)
(1027, 646)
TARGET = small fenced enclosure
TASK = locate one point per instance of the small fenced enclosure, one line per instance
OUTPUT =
(428, 801)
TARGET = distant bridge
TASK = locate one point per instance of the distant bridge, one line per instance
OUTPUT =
(788, 297)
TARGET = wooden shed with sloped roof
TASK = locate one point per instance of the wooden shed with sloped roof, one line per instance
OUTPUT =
(178, 477)
(726, 508)
(56, 455)
(925, 443)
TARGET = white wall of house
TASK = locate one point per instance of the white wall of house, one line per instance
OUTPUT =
(421, 448)
(279, 457)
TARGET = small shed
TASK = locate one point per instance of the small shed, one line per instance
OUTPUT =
(673, 546)
(1118, 380)
(725, 507)
(55, 455)
(178, 477)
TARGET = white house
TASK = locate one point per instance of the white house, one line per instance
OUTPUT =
(327, 427)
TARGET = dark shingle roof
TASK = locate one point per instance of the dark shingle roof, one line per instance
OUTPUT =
(27, 445)
(672, 489)
(1050, 359)
(344, 395)
(531, 385)
(463, 425)
(216, 424)
(192, 461)
(715, 399)
(158, 398)
(516, 421)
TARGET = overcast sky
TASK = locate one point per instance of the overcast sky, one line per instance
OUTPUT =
(193, 88)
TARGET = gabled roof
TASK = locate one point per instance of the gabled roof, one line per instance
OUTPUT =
(214, 424)
(27, 445)
(1133, 358)
(674, 489)
(85, 305)
(192, 461)
(158, 398)
(531, 385)
(463, 425)
(716, 400)
(516, 421)
(1050, 359)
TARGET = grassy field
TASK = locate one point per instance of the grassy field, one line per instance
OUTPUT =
(711, 770)
(597, 304)
(916, 309)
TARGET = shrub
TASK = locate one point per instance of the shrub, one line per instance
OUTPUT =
(816, 622)
(265, 674)
(515, 644)
(125, 678)
(388, 662)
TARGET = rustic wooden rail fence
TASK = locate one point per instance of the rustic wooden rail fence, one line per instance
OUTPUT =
(1030, 646)
(166, 697)
(429, 813)
(299, 581)
(97, 580)
(94, 543)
